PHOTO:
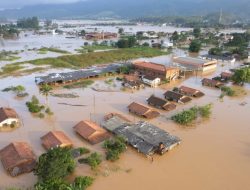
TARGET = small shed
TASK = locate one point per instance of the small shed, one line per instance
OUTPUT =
(91, 132)
(56, 139)
(18, 158)
(8, 116)
(177, 97)
(211, 83)
(161, 103)
(142, 111)
(190, 91)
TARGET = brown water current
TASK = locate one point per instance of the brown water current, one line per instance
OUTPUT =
(214, 154)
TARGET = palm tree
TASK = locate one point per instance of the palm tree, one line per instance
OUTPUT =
(45, 90)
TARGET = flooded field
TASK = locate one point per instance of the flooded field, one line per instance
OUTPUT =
(214, 154)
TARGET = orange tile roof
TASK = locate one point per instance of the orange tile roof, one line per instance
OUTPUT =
(15, 154)
(56, 138)
(91, 131)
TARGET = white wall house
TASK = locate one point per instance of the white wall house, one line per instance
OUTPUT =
(151, 81)
(8, 116)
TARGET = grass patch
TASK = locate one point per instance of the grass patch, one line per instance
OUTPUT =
(227, 91)
(44, 50)
(95, 58)
(81, 84)
(9, 69)
(186, 117)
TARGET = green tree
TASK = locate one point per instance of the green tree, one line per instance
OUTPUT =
(241, 76)
(81, 183)
(45, 90)
(56, 164)
(114, 148)
(195, 46)
(197, 32)
(120, 31)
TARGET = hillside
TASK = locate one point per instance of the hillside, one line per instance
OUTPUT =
(130, 8)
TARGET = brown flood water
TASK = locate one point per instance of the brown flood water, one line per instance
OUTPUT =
(214, 154)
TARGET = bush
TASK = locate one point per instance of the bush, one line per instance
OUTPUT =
(188, 116)
(83, 150)
(81, 183)
(93, 160)
(227, 91)
(34, 106)
(114, 148)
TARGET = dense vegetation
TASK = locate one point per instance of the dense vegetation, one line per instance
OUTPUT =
(52, 169)
(241, 76)
(114, 148)
(195, 46)
(188, 116)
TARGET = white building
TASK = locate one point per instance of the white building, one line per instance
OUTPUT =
(8, 117)
(151, 81)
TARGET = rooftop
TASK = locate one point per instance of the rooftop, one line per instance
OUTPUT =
(15, 154)
(54, 139)
(91, 132)
(142, 135)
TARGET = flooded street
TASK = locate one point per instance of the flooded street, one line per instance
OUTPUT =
(214, 154)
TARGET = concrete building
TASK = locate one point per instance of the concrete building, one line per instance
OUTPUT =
(156, 70)
(194, 64)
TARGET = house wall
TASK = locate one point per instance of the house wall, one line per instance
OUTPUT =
(8, 121)
(153, 83)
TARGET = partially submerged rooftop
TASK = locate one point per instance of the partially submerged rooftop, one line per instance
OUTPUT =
(91, 132)
(142, 110)
(78, 74)
(7, 113)
(18, 158)
(56, 138)
(145, 137)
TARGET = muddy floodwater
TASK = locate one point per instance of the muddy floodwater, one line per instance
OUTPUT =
(214, 154)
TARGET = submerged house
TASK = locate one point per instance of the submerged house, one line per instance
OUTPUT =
(145, 137)
(142, 111)
(190, 91)
(177, 97)
(225, 76)
(56, 139)
(211, 83)
(132, 82)
(100, 36)
(18, 158)
(151, 81)
(161, 103)
(156, 70)
(91, 132)
(8, 116)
